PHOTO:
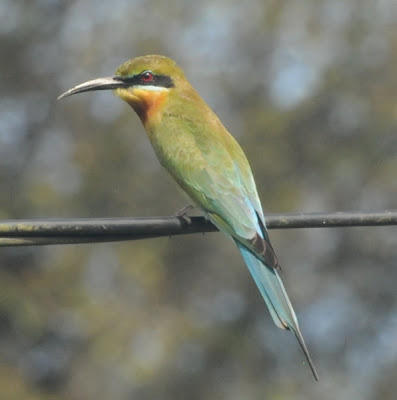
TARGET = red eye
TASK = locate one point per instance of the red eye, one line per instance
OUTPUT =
(146, 77)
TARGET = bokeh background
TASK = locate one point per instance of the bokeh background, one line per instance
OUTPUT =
(309, 89)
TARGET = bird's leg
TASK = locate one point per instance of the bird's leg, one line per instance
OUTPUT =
(183, 211)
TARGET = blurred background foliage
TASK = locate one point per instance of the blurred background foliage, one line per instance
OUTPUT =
(309, 89)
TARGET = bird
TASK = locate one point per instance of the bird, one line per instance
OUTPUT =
(207, 163)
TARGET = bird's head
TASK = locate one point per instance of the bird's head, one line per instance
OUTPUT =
(145, 83)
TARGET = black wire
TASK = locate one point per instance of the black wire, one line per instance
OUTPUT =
(87, 230)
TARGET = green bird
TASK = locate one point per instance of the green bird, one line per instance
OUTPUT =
(192, 144)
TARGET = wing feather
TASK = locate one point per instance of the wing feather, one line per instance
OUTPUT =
(222, 185)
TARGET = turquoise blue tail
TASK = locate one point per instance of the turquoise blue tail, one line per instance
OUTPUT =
(276, 298)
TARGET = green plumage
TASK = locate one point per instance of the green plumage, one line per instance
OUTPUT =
(207, 163)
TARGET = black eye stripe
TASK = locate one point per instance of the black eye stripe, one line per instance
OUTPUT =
(163, 80)
(158, 80)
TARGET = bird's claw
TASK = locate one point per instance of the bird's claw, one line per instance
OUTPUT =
(182, 213)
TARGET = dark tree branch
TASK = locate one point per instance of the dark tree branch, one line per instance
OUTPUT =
(67, 231)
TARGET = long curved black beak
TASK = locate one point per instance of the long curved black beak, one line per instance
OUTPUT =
(113, 82)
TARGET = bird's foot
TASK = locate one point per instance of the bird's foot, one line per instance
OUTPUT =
(182, 213)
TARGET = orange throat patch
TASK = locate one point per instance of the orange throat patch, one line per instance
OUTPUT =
(146, 103)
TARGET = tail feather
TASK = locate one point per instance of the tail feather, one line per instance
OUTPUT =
(276, 298)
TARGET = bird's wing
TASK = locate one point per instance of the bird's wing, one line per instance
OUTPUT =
(223, 186)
